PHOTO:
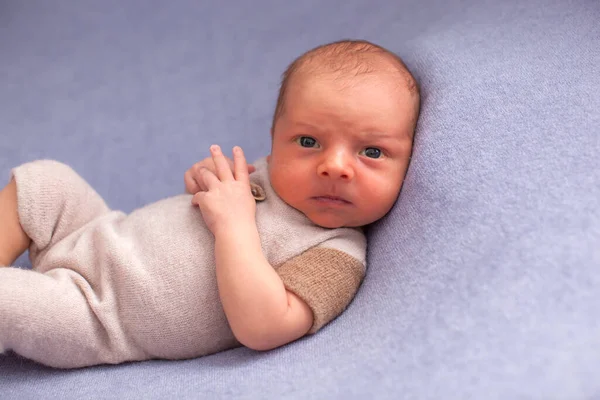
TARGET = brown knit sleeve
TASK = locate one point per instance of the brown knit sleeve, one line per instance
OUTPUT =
(326, 279)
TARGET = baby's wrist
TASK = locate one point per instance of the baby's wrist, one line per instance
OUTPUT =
(237, 240)
(234, 228)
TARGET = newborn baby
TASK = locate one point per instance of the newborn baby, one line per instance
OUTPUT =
(255, 255)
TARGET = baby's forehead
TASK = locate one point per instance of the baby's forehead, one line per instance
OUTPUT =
(347, 72)
(341, 82)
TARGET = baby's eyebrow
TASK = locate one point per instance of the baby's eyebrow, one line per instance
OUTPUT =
(377, 135)
(307, 125)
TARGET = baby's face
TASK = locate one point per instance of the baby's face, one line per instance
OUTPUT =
(342, 146)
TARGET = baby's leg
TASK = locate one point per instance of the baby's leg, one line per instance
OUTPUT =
(55, 317)
(52, 201)
(46, 318)
(13, 240)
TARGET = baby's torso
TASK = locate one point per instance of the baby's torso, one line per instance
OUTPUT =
(158, 265)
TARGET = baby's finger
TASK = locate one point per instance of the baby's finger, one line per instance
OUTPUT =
(240, 166)
(221, 165)
(197, 176)
(198, 198)
(251, 168)
(208, 179)
(191, 186)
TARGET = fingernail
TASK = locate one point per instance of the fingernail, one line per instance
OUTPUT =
(214, 147)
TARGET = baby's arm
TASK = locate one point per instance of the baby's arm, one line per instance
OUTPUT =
(261, 312)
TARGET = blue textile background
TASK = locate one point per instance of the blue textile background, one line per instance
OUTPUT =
(483, 281)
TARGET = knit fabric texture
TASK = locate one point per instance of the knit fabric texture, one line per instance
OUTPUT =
(109, 287)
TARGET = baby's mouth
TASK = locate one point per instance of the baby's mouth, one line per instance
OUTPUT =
(332, 200)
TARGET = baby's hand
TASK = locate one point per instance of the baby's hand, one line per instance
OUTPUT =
(193, 178)
(227, 202)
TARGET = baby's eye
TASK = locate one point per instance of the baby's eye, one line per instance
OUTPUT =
(371, 152)
(307, 141)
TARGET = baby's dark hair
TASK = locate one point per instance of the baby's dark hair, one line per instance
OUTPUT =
(344, 56)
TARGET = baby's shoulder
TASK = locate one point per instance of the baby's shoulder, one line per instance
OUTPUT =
(351, 241)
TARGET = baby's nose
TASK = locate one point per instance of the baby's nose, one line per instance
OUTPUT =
(336, 167)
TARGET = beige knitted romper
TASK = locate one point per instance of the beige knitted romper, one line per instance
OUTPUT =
(107, 287)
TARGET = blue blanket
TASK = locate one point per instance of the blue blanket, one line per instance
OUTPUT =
(483, 281)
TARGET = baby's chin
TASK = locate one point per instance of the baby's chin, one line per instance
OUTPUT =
(331, 222)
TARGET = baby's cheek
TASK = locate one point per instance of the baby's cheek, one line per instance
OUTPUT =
(286, 182)
(382, 194)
